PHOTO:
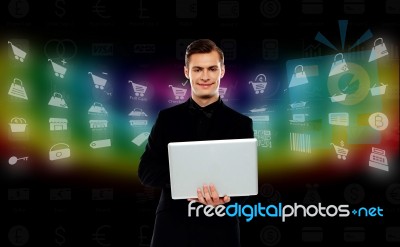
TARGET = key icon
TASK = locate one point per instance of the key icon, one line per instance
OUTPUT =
(13, 160)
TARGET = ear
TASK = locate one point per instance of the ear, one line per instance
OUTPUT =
(222, 71)
(186, 72)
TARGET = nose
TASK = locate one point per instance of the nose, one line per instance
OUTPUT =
(204, 76)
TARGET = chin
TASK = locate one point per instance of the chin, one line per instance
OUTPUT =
(207, 96)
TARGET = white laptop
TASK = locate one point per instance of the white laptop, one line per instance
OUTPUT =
(231, 165)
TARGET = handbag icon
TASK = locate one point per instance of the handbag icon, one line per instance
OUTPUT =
(137, 112)
(338, 66)
(378, 51)
(298, 77)
(17, 89)
(62, 153)
(57, 100)
(97, 108)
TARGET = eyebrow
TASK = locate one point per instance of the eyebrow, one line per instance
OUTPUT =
(210, 67)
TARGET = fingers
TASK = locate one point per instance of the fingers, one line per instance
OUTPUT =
(200, 196)
(227, 199)
(208, 195)
(214, 193)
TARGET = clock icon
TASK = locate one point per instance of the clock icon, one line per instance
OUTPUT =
(352, 85)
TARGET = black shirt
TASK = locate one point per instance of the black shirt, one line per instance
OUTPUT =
(203, 117)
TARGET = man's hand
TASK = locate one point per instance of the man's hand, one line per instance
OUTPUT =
(209, 196)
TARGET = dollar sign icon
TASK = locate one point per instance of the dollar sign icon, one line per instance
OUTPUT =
(59, 232)
(60, 5)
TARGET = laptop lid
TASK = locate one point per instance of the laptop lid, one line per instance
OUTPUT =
(231, 165)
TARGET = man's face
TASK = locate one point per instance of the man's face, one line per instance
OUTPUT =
(204, 72)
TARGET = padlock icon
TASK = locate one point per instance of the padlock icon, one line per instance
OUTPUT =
(378, 51)
(338, 66)
(61, 153)
(299, 77)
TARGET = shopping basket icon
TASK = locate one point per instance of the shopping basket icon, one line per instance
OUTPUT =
(178, 92)
(58, 69)
(138, 89)
(222, 91)
(98, 81)
(378, 90)
(18, 53)
(259, 83)
(340, 151)
(18, 124)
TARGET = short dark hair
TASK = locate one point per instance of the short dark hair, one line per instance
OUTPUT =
(202, 46)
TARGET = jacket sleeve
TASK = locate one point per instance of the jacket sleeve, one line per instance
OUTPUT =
(153, 168)
(248, 130)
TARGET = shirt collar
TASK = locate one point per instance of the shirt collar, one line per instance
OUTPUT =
(207, 110)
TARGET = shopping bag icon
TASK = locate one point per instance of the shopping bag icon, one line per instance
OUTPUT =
(61, 153)
(378, 51)
(18, 124)
(97, 108)
(57, 100)
(299, 77)
(338, 66)
(17, 89)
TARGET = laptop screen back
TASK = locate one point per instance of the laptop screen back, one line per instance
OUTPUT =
(231, 165)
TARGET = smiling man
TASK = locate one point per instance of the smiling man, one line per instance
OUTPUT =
(204, 70)
(202, 117)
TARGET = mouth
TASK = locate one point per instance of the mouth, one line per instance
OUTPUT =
(205, 85)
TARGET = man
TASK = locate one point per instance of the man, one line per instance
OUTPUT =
(203, 117)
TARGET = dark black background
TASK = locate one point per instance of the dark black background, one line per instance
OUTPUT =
(128, 218)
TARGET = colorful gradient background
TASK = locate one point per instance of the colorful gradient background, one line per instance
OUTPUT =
(119, 162)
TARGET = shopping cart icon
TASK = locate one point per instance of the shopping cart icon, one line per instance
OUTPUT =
(222, 91)
(138, 89)
(178, 92)
(259, 83)
(58, 69)
(18, 53)
(340, 151)
(98, 81)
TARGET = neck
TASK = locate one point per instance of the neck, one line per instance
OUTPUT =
(203, 102)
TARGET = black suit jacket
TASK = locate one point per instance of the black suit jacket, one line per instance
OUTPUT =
(177, 124)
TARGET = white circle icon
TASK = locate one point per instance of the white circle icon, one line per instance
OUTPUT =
(378, 121)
